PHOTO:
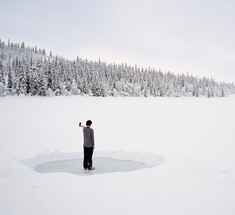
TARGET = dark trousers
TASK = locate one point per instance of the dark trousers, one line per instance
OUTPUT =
(88, 152)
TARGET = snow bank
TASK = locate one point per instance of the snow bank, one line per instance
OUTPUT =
(148, 159)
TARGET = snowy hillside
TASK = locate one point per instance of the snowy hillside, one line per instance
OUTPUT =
(187, 143)
(29, 71)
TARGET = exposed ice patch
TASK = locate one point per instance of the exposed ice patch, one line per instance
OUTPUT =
(103, 165)
(104, 161)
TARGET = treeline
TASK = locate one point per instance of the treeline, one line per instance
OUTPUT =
(30, 71)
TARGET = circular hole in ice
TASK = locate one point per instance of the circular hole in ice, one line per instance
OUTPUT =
(102, 165)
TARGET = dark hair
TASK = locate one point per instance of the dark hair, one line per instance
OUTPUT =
(88, 122)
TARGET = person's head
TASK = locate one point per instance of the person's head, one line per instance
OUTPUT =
(88, 123)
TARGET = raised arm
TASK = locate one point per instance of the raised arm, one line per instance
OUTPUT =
(80, 125)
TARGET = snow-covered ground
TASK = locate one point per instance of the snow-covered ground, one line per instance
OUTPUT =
(188, 142)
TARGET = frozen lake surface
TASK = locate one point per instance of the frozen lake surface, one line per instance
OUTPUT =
(188, 142)
(102, 165)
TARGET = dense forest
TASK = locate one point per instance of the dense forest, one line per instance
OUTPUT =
(30, 71)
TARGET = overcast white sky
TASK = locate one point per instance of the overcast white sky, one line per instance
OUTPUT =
(194, 36)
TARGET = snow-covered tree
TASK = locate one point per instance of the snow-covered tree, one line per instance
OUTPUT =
(29, 71)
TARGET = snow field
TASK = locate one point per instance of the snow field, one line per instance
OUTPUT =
(194, 136)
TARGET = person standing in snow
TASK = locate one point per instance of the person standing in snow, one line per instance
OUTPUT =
(88, 146)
